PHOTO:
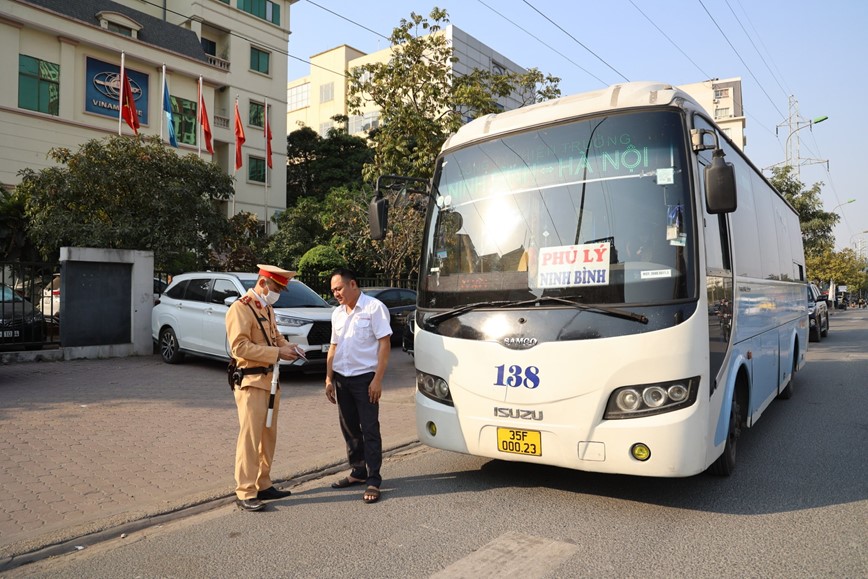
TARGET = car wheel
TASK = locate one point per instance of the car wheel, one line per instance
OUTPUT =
(170, 351)
(825, 331)
(725, 463)
(814, 333)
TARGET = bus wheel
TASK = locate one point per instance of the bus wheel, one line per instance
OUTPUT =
(787, 392)
(725, 463)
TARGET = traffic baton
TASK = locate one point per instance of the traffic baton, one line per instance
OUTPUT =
(275, 377)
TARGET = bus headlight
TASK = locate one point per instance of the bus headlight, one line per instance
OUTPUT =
(649, 399)
(433, 387)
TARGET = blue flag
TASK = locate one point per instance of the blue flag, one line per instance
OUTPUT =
(167, 108)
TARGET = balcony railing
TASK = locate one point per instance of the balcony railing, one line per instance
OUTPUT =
(221, 122)
(218, 62)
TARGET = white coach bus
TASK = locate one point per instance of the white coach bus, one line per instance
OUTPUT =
(607, 284)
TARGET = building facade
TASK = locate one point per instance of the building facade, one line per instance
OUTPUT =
(67, 57)
(314, 99)
(722, 99)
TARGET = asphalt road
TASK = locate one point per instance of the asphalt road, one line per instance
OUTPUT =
(797, 506)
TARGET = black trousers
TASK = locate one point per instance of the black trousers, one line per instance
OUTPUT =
(360, 425)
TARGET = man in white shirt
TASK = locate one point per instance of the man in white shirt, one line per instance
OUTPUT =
(355, 366)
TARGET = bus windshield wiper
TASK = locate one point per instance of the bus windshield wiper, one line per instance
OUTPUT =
(437, 318)
(617, 312)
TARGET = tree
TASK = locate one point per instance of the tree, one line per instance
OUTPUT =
(321, 261)
(127, 193)
(843, 267)
(422, 102)
(15, 244)
(242, 247)
(299, 228)
(816, 224)
(316, 165)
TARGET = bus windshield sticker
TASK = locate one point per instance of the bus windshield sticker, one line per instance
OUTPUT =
(655, 274)
(573, 265)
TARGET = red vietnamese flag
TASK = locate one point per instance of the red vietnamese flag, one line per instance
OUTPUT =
(267, 139)
(203, 120)
(128, 103)
(239, 138)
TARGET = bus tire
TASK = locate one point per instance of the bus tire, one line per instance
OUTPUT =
(725, 463)
(787, 392)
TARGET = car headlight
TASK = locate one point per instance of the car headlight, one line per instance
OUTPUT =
(291, 321)
(433, 387)
(649, 399)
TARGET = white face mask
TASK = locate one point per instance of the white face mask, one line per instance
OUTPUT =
(271, 297)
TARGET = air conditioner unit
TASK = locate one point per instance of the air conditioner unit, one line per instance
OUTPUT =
(716, 100)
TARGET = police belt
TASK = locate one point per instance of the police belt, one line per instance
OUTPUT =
(255, 370)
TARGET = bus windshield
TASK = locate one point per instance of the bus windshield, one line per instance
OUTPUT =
(598, 211)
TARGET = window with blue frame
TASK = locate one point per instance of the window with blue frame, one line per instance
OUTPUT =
(264, 9)
(38, 85)
(259, 60)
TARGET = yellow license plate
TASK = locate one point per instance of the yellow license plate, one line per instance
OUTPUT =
(519, 441)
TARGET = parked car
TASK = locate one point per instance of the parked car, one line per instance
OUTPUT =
(189, 317)
(401, 303)
(818, 314)
(51, 299)
(20, 322)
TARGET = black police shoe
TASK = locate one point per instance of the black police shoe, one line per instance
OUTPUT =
(250, 504)
(272, 493)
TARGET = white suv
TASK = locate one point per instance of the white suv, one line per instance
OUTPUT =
(189, 318)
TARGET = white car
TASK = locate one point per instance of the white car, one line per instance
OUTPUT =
(189, 317)
(51, 299)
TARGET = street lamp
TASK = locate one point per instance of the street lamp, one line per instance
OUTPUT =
(810, 124)
(842, 204)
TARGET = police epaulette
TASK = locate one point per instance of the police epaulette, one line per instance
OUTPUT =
(245, 300)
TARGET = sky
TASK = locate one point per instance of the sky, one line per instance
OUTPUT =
(813, 52)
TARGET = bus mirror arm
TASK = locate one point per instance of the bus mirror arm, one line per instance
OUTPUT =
(378, 209)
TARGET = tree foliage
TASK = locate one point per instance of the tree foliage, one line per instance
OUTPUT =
(15, 243)
(241, 249)
(299, 229)
(316, 165)
(816, 224)
(321, 261)
(843, 267)
(127, 193)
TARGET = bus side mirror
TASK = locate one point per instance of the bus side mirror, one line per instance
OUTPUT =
(720, 194)
(378, 217)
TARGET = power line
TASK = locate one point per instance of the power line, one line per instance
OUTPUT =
(558, 26)
(750, 38)
(589, 73)
(348, 20)
(725, 37)
(672, 42)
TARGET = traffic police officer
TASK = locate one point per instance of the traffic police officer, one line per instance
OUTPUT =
(256, 345)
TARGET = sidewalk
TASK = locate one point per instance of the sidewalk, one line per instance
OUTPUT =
(86, 445)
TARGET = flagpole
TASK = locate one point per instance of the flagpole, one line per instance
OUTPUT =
(162, 89)
(265, 132)
(235, 163)
(121, 95)
(199, 117)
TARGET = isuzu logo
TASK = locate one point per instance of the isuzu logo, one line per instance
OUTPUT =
(518, 413)
(520, 343)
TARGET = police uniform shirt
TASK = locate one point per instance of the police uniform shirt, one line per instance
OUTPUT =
(356, 335)
(247, 343)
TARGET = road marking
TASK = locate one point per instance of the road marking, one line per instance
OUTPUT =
(511, 555)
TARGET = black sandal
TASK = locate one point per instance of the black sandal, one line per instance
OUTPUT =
(346, 482)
